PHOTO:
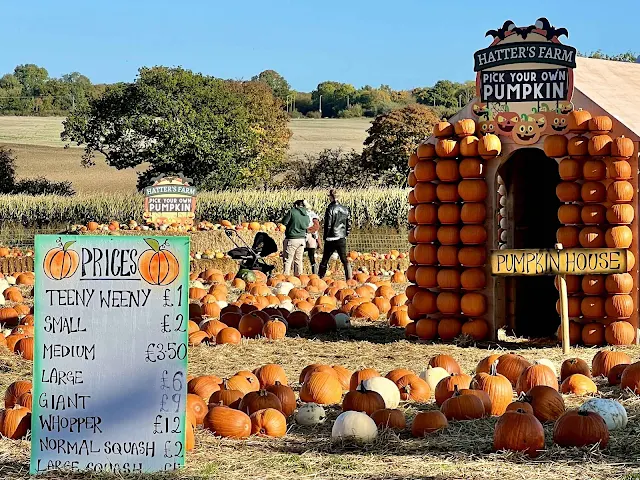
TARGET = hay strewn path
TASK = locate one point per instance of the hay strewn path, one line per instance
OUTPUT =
(462, 451)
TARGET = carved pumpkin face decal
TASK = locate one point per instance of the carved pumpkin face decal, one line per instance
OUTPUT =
(566, 108)
(557, 122)
(541, 121)
(526, 133)
(506, 122)
(486, 127)
(480, 109)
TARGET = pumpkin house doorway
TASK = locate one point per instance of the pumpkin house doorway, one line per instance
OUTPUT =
(530, 179)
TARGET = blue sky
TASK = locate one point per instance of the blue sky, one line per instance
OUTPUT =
(400, 43)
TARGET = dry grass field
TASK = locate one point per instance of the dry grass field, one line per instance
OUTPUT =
(36, 142)
(463, 450)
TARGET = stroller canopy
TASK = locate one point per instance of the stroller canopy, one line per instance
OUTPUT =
(264, 245)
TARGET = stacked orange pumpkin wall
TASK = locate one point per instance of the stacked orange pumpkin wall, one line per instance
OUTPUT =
(597, 212)
(448, 214)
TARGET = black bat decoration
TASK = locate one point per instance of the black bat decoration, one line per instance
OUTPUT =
(543, 24)
(501, 32)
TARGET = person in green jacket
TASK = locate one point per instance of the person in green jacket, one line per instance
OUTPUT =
(296, 222)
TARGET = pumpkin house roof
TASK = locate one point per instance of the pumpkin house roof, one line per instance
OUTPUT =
(603, 87)
(613, 86)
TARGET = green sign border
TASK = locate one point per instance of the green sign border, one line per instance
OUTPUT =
(42, 245)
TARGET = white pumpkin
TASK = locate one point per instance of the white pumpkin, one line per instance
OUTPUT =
(10, 280)
(2, 301)
(372, 286)
(613, 413)
(342, 320)
(196, 284)
(385, 387)
(355, 425)
(283, 288)
(548, 363)
(198, 256)
(6, 332)
(310, 414)
(222, 304)
(432, 375)
(3, 284)
(287, 306)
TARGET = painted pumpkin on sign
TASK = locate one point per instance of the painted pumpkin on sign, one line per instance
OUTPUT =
(61, 262)
(527, 133)
(541, 121)
(486, 127)
(157, 265)
(480, 109)
(557, 122)
(506, 122)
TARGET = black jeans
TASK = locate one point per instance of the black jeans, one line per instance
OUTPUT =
(331, 246)
(312, 259)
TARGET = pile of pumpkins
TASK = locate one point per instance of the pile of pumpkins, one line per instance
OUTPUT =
(16, 317)
(202, 226)
(7, 252)
(449, 240)
(270, 307)
(597, 212)
(259, 402)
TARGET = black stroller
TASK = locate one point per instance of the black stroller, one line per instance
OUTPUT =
(252, 258)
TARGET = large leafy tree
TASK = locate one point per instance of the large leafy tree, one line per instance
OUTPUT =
(222, 134)
(278, 85)
(392, 138)
(32, 78)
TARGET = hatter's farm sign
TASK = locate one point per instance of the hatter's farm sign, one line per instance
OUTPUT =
(524, 82)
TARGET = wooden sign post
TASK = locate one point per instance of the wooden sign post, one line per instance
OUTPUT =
(110, 362)
(560, 262)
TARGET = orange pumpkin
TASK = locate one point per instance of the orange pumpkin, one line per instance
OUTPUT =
(619, 170)
(468, 148)
(473, 190)
(579, 120)
(578, 146)
(569, 169)
(620, 191)
(447, 170)
(600, 146)
(425, 171)
(443, 129)
(489, 146)
(594, 170)
(593, 214)
(568, 192)
(593, 192)
(473, 213)
(600, 124)
(569, 214)
(555, 146)
(591, 237)
(447, 192)
(426, 151)
(619, 237)
(622, 147)
(447, 148)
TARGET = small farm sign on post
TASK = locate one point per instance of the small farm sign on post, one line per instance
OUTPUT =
(572, 261)
(110, 362)
(170, 200)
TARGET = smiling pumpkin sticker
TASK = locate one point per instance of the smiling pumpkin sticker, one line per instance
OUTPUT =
(527, 132)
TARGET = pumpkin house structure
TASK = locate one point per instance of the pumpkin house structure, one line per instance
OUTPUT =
(546, 153)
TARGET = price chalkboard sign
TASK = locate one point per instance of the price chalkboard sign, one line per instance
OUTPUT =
(110, 362)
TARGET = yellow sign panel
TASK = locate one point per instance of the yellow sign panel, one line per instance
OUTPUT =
(573, 261)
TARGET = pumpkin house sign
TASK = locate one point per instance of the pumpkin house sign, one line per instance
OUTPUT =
(170, 200)
(529, 190)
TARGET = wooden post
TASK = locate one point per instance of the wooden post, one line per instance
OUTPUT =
(564, 310)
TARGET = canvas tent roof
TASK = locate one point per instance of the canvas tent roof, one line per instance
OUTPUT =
(613, 87)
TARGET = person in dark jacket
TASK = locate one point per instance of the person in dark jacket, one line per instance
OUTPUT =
(337, 225)
(296, 222)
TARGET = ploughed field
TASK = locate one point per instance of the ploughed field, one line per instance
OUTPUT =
(464, 449)
(36, 142)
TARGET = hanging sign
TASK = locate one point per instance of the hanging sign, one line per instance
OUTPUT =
(524, 82)
(170, 200)
(572, 261)
(110, 361)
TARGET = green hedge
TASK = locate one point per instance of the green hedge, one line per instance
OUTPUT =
(371, 207)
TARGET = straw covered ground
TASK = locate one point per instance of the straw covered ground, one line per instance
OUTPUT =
(464, 450)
